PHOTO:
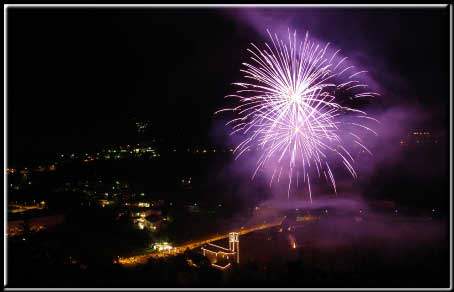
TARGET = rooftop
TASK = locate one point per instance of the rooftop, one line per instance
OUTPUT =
(222, 264)
(216, 249)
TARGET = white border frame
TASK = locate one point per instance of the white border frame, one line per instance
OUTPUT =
(5, 104)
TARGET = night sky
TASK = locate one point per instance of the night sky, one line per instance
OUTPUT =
(77, 77)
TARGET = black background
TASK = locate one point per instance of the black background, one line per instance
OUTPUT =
(76, 77)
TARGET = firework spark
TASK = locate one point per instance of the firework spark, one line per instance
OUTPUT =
(288, 109)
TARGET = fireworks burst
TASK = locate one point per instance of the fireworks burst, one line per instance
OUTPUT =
(288, 110)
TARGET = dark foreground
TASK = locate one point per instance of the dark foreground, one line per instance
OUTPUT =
(334, 251)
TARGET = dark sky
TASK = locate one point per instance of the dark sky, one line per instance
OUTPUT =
(76, 77)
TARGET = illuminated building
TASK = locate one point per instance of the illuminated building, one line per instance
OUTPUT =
(103, 202)
(186, 183)
(143, 126)
(221, 257)
(36, 224)
(234, 245)
(140, 212)
(148, 218)
(11, 170)
(164, 246)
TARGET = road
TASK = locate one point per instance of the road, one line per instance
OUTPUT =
(140, 259)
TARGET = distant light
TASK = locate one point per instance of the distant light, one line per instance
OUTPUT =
(433, 210)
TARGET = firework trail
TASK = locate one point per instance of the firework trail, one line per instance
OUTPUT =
(288, 110)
